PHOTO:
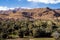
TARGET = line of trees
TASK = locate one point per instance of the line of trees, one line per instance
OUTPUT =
(26, 28)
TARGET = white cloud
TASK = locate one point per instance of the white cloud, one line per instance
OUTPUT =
(45, 1)
(5, 8)
(26, 7)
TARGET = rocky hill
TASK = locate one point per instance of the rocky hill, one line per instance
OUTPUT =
(36, 13)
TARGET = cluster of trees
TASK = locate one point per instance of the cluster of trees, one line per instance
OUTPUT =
(27, 28)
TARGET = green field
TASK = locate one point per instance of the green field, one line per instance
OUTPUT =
(42, 39)
(32, 39)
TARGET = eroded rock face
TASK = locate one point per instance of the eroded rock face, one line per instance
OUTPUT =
(37, 13)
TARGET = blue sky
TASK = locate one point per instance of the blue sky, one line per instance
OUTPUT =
(10, 4)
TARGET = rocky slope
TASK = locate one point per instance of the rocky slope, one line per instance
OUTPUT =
(37, 13)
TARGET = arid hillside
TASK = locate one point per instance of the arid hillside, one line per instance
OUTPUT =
(36, 13)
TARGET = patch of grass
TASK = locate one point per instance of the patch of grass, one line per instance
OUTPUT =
(32, 39)
(42, 39)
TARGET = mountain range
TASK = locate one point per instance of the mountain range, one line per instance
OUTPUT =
(36, 13)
